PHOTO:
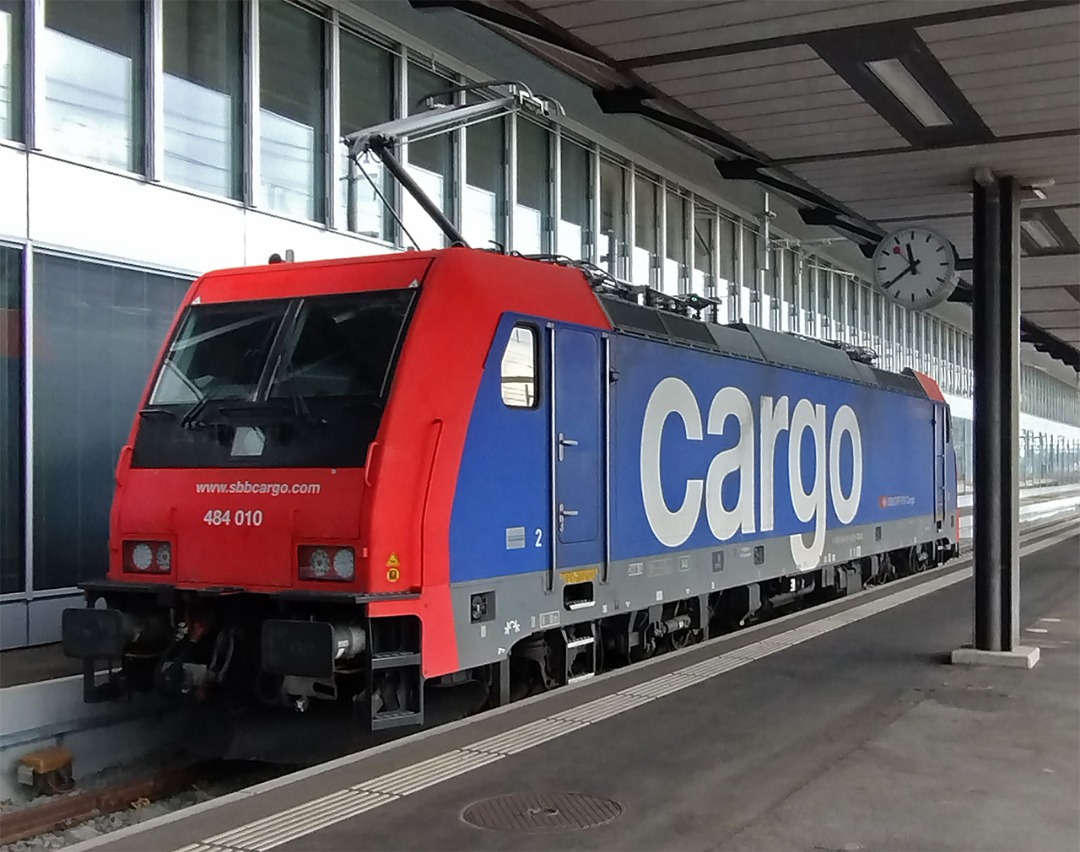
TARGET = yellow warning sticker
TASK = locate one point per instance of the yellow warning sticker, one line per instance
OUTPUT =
(393, 575)
(393, 561)
(582, 575)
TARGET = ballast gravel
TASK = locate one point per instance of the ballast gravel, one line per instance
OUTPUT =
(137, 813)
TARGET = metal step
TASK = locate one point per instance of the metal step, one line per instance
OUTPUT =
(396, 719)
(394, 660)
(580, 649)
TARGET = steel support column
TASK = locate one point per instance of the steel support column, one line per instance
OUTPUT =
(996, 350)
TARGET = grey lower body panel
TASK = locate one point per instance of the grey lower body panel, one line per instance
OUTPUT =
(523, 606)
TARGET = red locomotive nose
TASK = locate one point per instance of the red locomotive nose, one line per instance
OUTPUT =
(242, 528)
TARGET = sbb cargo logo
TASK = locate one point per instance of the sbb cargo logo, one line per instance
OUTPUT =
(754, 452)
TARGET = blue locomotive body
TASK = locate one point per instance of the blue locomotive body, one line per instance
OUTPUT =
(666, 470)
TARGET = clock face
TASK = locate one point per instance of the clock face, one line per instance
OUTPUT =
(915, 267)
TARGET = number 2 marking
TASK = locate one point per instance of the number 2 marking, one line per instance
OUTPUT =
(539, 537)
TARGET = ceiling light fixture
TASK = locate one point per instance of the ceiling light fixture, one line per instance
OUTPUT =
(1039, 234)
(895, 76)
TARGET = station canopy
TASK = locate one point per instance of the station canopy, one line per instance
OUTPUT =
(867, 115)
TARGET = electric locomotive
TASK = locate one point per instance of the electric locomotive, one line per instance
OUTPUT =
(363, 483)
(393, 490)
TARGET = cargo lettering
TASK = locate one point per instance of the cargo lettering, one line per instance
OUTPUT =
(754, 452)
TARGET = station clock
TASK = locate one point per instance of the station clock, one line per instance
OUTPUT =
(916, 267)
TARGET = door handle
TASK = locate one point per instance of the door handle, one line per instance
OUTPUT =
(565, 442)
(565, 513)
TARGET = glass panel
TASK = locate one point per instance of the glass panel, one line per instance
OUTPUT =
(203, 95)
(612, 216)
(366, 99)
(878, 307)
(675, 244)
(575, 195)
(701, 277)
(750, 306)
(519, 368)
(97, 330)
(830, 307)
(854, 327)
(430, 163)
(292, 115)
(770, 297)
(93, 57)
(320, 405)
(11, 69)
(787, 292)
(219, 353)
(891, 311)
(909, 340)
(343, 346)
(12, 576)
(485, 183)
(810, 298)
(646, 231)
(532, 212)
(728, 284)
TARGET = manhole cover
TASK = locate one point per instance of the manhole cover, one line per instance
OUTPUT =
(541, 812)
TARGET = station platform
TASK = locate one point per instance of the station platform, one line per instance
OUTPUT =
(30, 665)
(841, 728)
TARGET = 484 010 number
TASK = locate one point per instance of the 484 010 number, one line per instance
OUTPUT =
(239, 518)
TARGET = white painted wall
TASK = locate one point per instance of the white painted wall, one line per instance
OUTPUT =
(94, 212)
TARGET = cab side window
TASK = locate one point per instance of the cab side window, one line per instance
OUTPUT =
(518, 376)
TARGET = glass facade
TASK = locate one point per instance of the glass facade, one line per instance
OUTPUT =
(11, 65)
(12, 573)
(94, 60)
(203, 102)
(292, 113)
(97, 331)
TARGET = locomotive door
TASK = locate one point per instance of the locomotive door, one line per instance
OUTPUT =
(940, 459)
(577, 449)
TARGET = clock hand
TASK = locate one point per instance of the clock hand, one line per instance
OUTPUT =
(898, 277)
(911, 258)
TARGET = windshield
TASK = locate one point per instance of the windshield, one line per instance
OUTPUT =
(309, 376)
(219, 351)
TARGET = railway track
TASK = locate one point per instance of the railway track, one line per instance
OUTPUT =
(65, 812)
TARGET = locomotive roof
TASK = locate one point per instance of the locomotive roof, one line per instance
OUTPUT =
(754, 344)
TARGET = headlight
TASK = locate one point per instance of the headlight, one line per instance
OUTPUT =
(147, 557)
(326, 562)
(320, 563)
(142, 556)
(344, 563)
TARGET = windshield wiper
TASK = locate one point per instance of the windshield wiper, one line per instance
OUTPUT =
(155, 410)
(188, 420)
(300, 406)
